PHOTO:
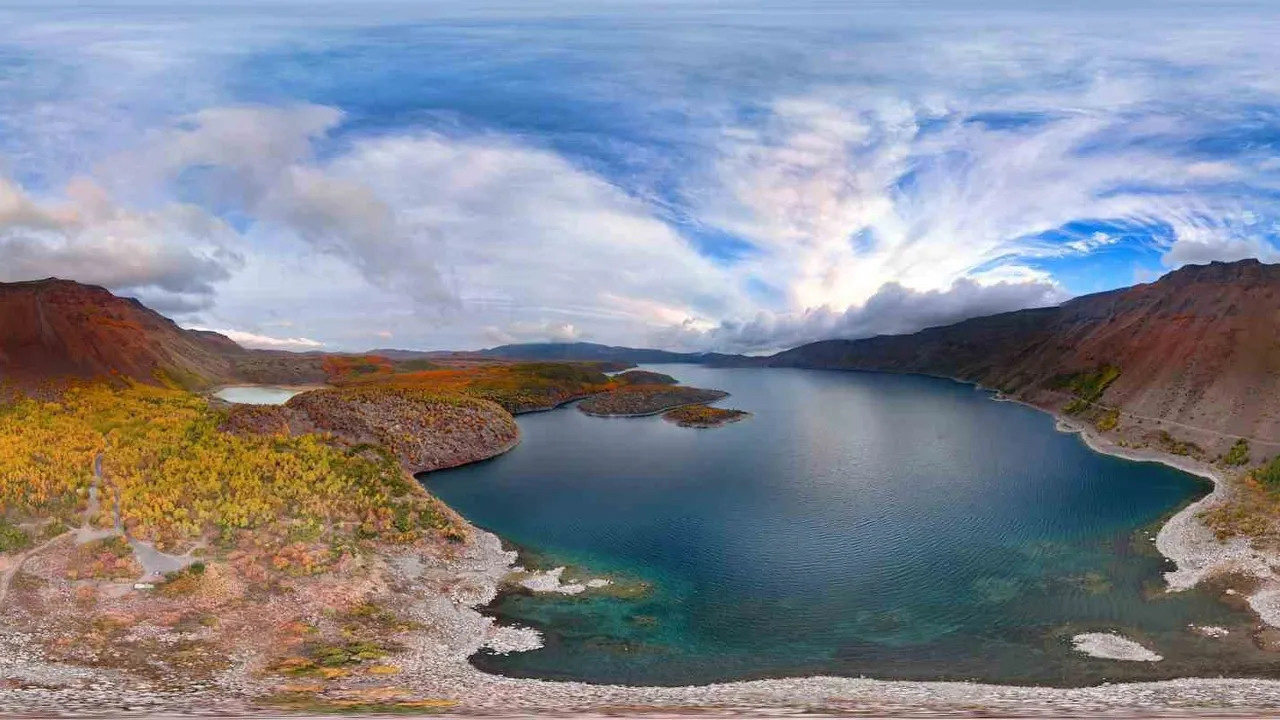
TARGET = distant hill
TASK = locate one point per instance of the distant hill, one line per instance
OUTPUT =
(1199, 346)
(58, 328)
(583, 351)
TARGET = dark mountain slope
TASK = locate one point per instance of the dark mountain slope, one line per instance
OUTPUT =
(57, 328)
(1200, 346)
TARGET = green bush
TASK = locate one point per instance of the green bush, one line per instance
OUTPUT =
(1090, 386)
(1238, 454)
(13, 538)
(1108, 421)
(1269, 475)
(1075, 407)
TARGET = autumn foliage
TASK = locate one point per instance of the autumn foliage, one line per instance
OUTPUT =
(518, 388)
(176, 475)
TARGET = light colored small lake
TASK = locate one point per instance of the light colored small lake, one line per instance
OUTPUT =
(258, 394)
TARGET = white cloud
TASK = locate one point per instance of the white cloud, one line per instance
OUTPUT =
(906, 175)
(845, 194)
(266, 342)
(520, 230)
(1200, 240)
(891, 310)
(521, 332)
(1091, 243)
(179, 251)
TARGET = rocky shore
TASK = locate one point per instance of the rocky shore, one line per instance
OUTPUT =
(445, 588)
(449, 587)
(1188, 542)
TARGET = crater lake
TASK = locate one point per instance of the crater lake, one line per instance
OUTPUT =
(857, 524)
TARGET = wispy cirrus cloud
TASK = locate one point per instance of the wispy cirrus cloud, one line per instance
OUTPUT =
(792, 176)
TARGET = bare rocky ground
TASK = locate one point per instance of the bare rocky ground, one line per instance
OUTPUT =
(60, 662)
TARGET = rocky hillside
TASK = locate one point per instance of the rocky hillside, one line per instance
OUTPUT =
(1200, 346)
(423, 431)
(57, 328)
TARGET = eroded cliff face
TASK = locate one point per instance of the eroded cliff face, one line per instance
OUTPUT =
(1200, 347)
(424, 432)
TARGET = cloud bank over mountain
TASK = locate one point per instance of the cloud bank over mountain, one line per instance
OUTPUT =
(716, 176)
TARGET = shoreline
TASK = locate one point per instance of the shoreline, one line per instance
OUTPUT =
(1196, 552)
(476, 691)
(1182, 539)
(305, 387)
(451, 588)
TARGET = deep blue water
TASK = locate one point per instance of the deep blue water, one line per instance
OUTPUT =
(857, 524)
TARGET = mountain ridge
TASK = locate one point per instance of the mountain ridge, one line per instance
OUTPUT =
(54, 328)
(1197, 346)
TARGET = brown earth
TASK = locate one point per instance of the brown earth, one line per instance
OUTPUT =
(52, 330)
(58, 328)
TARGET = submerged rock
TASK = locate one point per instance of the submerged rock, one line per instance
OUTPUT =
(1110, 646)
(549, 581)
(1209, 631)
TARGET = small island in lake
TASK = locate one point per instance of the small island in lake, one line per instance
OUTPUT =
(644, 377)
(704, 416)
(640, 400)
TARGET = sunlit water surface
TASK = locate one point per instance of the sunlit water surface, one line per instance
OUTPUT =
(857, 524)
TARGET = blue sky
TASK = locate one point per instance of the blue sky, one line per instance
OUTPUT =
(722, 175)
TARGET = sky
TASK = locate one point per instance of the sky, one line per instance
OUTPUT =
(726, 175)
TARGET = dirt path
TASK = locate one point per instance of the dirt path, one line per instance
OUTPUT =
(82, 534)
(155, 564)
(7, 578)
(1175, 423)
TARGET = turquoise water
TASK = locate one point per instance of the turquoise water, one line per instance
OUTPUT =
(857, 524)
(258, 394)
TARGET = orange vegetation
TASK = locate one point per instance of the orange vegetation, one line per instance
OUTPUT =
(703, 416)
(344, 368)
(518, 388)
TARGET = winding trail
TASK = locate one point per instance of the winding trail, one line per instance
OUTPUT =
(82, 534)
(1175, 423)
(7, 578)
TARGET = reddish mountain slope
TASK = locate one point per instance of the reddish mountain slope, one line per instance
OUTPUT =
(1200, 346)
(58, 328)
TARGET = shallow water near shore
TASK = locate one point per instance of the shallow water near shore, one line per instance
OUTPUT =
(258, 394)
(858, 524)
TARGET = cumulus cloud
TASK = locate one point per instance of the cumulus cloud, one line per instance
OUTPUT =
(266, 342)
(474, 228)
(521, 230)
(259, 162)
(178, 250)
(891, 310)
